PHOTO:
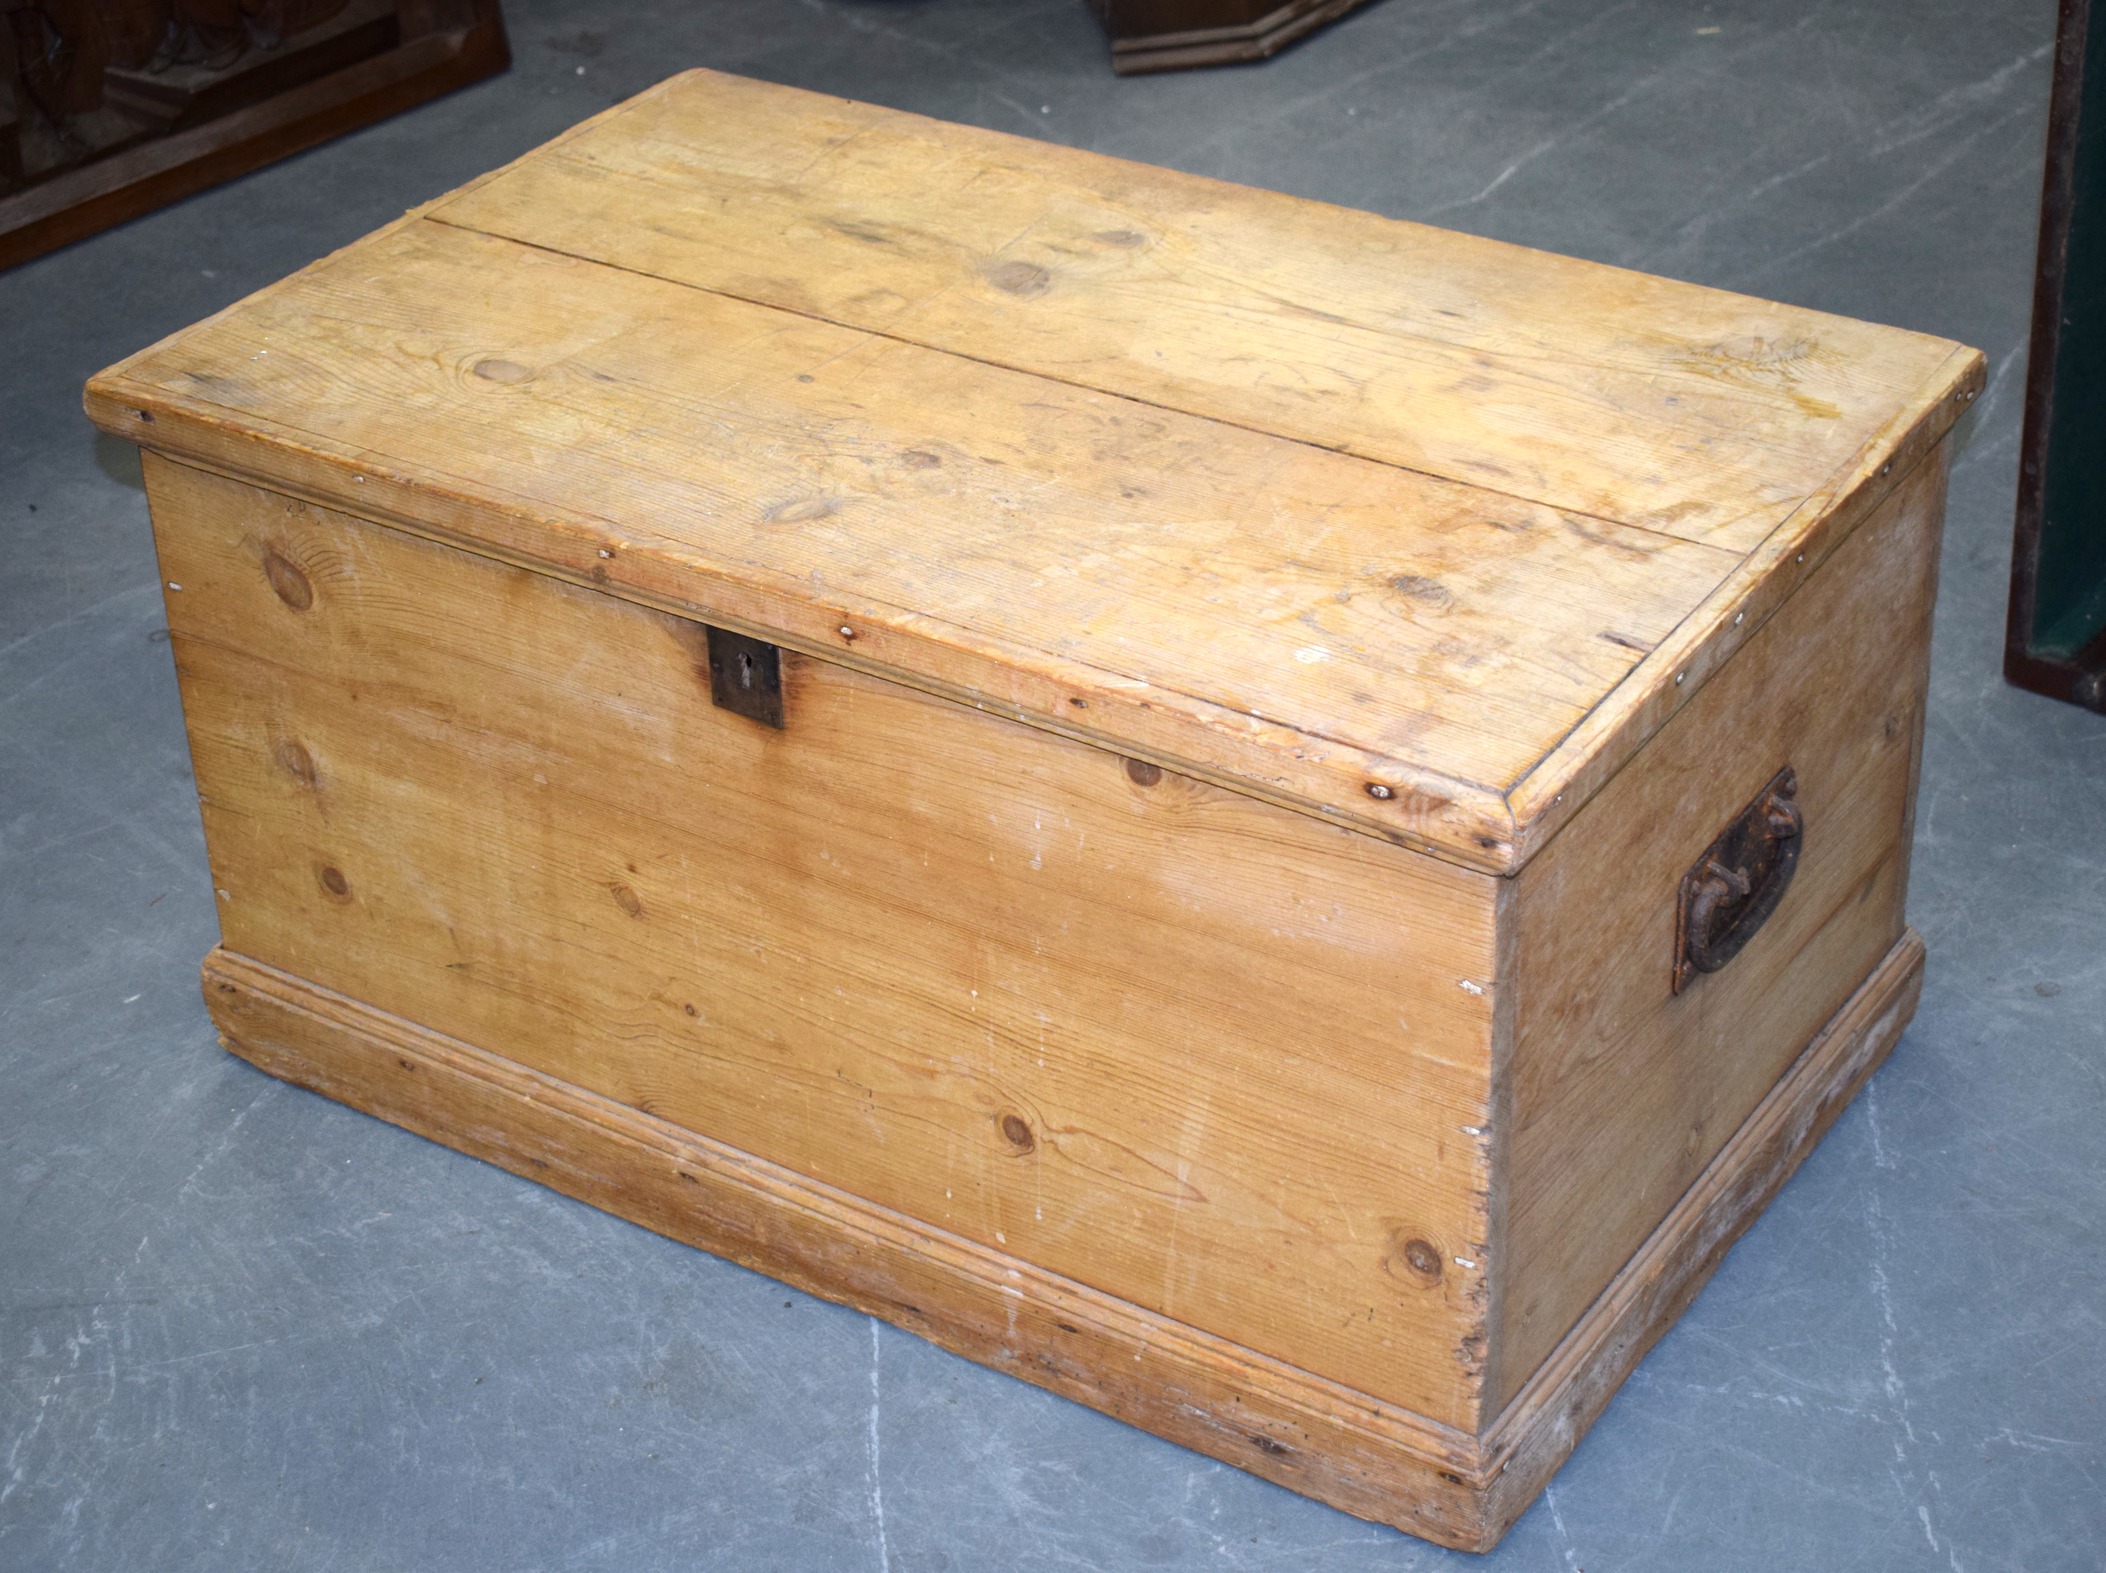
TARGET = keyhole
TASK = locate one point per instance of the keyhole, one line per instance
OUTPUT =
(745, 670)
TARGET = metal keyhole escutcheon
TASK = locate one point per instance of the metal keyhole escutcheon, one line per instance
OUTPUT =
(745, 676)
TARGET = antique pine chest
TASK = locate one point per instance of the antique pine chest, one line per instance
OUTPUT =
(1277, 821)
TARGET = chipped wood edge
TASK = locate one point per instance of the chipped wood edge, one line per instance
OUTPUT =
(1545, 1420)
(1374, 1460)
(1457, 821)
(1560, 784)
(1496, 1141)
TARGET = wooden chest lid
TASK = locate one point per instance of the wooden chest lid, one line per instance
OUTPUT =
(1417, 531)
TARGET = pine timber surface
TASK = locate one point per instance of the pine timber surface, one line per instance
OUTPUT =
(1621, 1092)
(971, 971)
(1327, 1441)
(1286, 497)
(1161, 571)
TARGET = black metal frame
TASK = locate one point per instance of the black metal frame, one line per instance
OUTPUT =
(2059, 553)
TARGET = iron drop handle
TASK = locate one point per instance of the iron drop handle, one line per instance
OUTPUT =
(1731, 890)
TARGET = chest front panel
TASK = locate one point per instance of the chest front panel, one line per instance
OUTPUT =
(1209, 1055)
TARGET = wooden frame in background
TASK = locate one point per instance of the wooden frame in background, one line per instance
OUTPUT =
(110, 108)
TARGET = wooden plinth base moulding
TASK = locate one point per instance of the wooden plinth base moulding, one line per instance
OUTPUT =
(1317, 1437)
(1279, 822)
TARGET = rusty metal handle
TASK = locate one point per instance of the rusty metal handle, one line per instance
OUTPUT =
(1730, 892)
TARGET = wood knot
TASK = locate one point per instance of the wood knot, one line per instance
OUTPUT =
(1017, 1132)
(1414, 1258)
(294, 759)
(334, 885)
(625, 898)
(292, 586)
(505, 371)
(1142, 774)
(1269, 1447)
(1125, 239)
(801, 510)
(1023, 279)
(1426, 592)
(919, 459)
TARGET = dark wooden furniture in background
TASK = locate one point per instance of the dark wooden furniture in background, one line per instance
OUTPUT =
(2056, 640)
(111, 107)
(1168, 35)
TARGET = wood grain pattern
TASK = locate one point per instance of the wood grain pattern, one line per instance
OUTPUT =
(1124, 1024)
(1591, 389)
(1678, 668)
(1058, 449)
(1622, 1093)
(1545, 1420)
(1031, 540)
(1324, 1440)
(1161, 571)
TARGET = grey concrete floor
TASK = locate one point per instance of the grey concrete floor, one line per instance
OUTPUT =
(245, 1328)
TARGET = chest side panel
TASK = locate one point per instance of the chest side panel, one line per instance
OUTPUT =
(1622, 1091)
(1205, 1054)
